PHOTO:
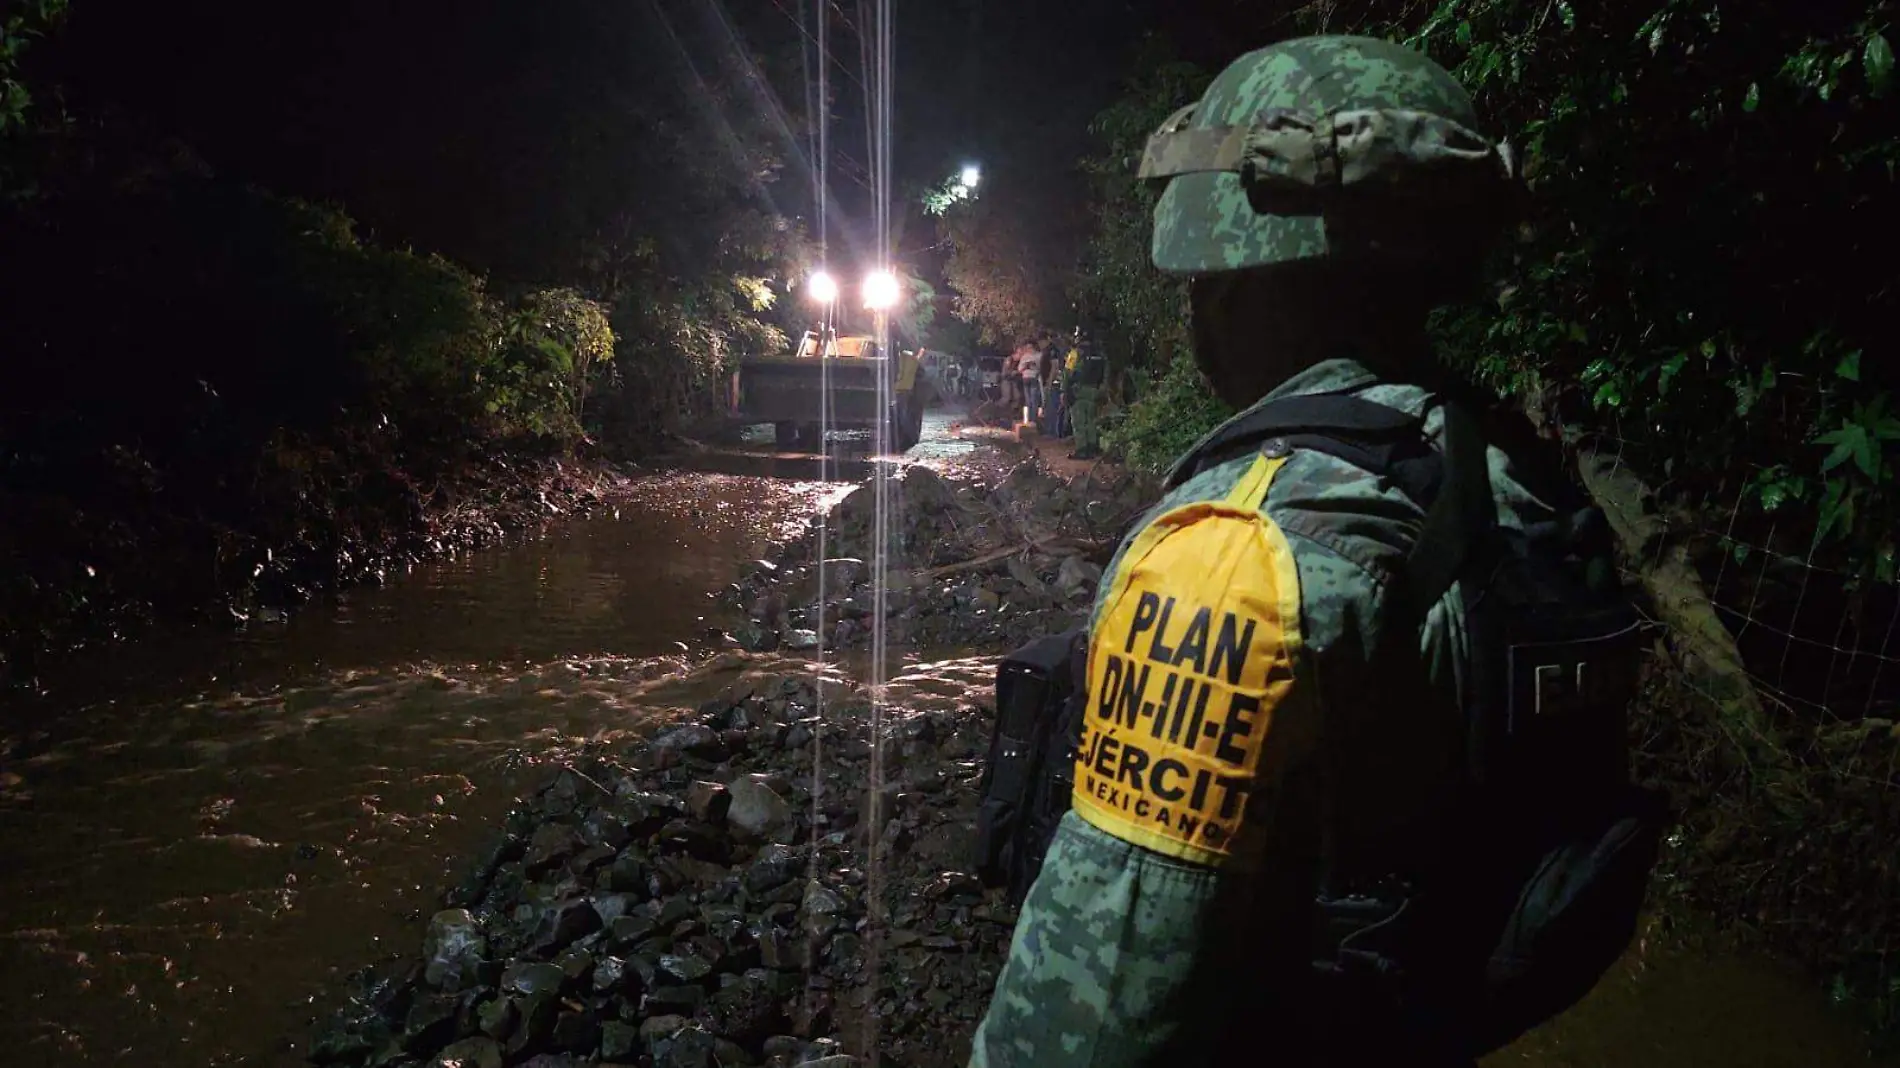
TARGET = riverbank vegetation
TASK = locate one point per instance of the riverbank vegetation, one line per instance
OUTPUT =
(220, 394)
(1699, 300)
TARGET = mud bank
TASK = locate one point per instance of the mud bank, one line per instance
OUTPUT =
(967, 565)
(81, 577)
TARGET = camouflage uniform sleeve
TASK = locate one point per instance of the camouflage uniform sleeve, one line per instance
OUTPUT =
(1124, 956)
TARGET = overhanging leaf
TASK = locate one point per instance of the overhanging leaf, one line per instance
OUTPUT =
(1876, 61)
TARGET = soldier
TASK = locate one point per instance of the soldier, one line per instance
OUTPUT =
(1085, 386)
(1322, 197)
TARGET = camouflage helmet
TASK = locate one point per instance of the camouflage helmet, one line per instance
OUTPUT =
(1322, 147)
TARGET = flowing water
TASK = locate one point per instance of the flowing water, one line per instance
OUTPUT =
(201, 835)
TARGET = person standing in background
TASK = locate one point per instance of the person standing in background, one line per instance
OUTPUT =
(1051, 424)
(1065, 426)
(1029, 367)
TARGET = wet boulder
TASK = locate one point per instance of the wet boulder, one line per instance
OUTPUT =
(575, 1032)
(455, 950)
(532, 979)
(619, 1041)
(692, 739)
(431, 1023)
(745, 1012)
(688, 1047)
(559, 925)
(470, 1053)
(708, 802)
(776, 865)
(551, 844)
(756, 808)
(497, 1018)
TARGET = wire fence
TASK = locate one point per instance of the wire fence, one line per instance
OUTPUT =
(1818, 645)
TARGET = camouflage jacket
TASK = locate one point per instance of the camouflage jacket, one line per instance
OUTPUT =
(1151, 941)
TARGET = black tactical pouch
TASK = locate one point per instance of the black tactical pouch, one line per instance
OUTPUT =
(1031, 766)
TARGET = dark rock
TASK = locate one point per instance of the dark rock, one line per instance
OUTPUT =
(674, 910)
(497, 1018)
(575, 1032)
(506, 848)
(550, 844)
(811, 1016)
(644, 966)
(727, 1053)
(696, 840)
(661, 1026)
(708, 801)
(610, 974)
(630, 930)
(538, 1012)
(431, 1023)
(688, 1047)
(470, 1053)
(775, 866)
(602, 826)
(787, 1046)
(641, 812)
(745, 1012)
(756, 808)
(619, 1041)
(589, 858)
(692, 739)
(674, 999)
(560, 925)
(628, 875)
(530, 978)
(611, 907)
(577, 964)
(780, 950)
(454, 949)
(687, 968)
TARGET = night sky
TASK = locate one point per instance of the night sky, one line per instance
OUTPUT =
(472, 127)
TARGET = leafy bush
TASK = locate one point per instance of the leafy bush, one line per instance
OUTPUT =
(552, 342)
(1138, 313)
(200, 375)
(1174, 412)
(1703, 273)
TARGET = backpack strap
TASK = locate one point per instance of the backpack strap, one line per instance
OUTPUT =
(1459, 517)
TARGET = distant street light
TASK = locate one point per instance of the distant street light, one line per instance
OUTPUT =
(970, 176)
(880, 290)
(824, 288)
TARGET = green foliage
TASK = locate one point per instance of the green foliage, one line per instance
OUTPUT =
(551, 343)
(1001, 283)
(1703, 271)
(947, 194)
(1138, 312)
(677, 341)
(914, 319)
(19, 27)
(1174, 413)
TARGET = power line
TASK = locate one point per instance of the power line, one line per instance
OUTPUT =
(798, 21)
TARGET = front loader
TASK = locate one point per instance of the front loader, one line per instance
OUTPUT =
(865, 387)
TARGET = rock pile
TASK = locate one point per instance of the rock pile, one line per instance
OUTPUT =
(758, 884)
(975, 568)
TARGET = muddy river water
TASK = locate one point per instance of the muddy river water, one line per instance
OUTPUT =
(201, 835)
